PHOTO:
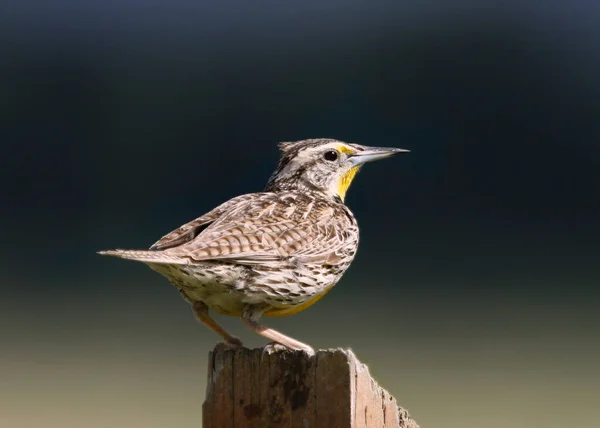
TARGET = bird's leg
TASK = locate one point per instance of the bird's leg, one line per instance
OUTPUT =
(201, 312)
(250, 318)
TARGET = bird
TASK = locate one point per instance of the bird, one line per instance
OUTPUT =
(271, 253)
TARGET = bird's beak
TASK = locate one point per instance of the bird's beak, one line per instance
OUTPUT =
(368, 154)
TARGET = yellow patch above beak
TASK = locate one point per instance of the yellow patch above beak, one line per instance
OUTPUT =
(345, 182)
(345, 149)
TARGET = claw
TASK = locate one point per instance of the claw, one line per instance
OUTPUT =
(228, 346)
(308, 350)
(234, 342)
(276, 347)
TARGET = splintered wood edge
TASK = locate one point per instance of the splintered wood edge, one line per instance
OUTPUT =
(370, 404)
(374, 405)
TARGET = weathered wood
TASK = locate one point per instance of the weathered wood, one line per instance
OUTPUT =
(331, 389)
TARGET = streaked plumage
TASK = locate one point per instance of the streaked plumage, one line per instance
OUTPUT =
(270, 253)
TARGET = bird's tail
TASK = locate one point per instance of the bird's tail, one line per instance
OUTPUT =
(144, 256)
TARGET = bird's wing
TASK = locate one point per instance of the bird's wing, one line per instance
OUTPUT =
(274, 227)
(190, 230)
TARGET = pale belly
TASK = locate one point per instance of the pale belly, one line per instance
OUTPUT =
(229, 288)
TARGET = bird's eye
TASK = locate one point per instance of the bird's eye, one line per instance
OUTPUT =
(331, 155)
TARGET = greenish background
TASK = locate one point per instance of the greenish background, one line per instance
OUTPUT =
(474, 297)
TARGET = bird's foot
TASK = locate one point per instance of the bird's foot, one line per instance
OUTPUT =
(276, 347)
(234, 342)
(229, 344)
(308, 350)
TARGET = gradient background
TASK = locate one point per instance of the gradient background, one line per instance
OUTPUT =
(475, 294)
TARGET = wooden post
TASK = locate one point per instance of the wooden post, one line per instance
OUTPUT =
(331, 389)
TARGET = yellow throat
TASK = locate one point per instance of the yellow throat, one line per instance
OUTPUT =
(345, 182)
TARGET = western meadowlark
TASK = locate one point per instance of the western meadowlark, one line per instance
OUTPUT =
(272, 253)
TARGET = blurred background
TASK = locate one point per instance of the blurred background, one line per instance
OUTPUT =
(474, 296)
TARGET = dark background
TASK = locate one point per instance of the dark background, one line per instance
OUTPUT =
(474, 297)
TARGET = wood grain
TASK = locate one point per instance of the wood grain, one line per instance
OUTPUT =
(249, 389)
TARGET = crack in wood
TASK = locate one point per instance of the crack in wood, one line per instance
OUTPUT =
(293, 390)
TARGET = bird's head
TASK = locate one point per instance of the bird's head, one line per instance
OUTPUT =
(323, 165)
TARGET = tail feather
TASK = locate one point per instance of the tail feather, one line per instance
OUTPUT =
(145, 256)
